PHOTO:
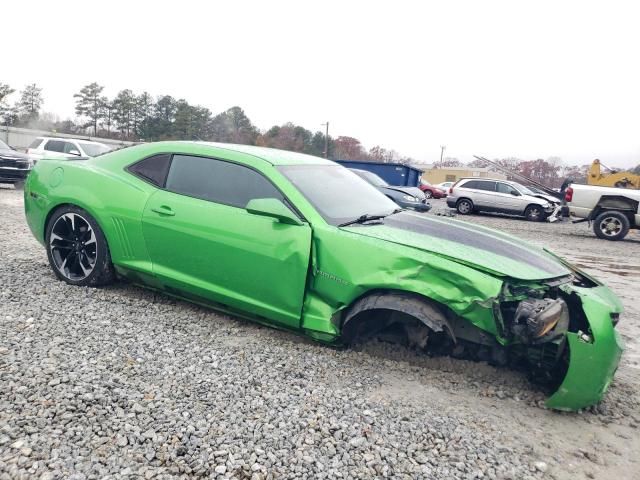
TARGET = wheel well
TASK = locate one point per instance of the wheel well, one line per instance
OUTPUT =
(378, 310)
(50, 213)
(627, 213)
(61, 205)
(533, 205)
(464, 198)
(616, 203)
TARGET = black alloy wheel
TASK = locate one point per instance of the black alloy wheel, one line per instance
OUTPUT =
(77, 249)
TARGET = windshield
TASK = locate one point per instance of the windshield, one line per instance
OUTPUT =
(337, 193)
(4, 146)
(372, 178)
(94, 149)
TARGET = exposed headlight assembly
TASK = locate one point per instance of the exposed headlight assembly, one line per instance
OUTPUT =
(540, 320)
(409, 198)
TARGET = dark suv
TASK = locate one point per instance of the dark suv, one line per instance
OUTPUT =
(14, 166)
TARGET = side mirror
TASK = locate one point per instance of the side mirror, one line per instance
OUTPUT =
(515, 193)
(274, 208)
(74, 152)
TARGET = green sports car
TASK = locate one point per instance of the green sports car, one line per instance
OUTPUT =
(301, 243)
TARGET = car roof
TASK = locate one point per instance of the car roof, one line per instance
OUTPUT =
(66, 139)
(271, 155)
(485, 179)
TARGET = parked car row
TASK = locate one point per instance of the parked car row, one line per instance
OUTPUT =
(15, 166)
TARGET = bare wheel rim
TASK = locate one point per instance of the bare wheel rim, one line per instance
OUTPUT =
(73, 246)
(464, 207)
(611, 226)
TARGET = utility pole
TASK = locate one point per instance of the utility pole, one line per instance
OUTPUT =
(442, 148)
(326, 140)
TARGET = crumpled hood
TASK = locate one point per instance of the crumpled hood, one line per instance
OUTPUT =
(548, 198)
(481, 247)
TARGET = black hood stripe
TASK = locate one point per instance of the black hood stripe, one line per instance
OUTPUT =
(494, 242)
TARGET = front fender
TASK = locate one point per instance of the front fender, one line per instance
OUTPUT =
(591, 364)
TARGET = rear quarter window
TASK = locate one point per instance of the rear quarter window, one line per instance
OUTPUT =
(153, 169)
(480, 185)
(469, 184)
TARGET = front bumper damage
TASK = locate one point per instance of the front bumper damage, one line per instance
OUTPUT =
(593, 355)
(575, 352)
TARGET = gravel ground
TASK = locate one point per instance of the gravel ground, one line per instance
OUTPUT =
(121, 382)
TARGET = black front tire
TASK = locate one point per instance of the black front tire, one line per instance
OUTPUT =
(77, 248)
(611, 225)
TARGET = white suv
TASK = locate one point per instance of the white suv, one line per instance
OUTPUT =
(470, 195)
(65, 147)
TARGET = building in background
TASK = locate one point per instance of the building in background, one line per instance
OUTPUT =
(434, 174)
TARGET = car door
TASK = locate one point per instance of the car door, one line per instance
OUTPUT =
(509, 199)
(481, 193)
(203, 242)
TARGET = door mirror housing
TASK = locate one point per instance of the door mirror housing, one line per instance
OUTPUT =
(274, 208)
(515, 193)
(74, 152)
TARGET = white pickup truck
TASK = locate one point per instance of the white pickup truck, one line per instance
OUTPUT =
(613, 211)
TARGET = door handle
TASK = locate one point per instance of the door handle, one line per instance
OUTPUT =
(164, 210)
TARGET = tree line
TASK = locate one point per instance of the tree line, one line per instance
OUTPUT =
(142, 117)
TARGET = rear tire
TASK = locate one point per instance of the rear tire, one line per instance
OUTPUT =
(464, 206)
(611, 225)
(535, 213)
(77, 249)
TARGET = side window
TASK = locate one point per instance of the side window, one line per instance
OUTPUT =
(504, 188)
(487, 186)
(470, 184)
(68, 147)
(55, 146)
(218, 181)
(153, 169)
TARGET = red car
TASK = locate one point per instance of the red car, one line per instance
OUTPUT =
(430, 191)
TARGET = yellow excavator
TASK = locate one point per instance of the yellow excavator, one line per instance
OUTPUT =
(612, 178)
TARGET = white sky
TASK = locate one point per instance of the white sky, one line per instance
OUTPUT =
(495, 78)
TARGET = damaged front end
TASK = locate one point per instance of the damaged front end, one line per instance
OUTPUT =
(564, 331)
